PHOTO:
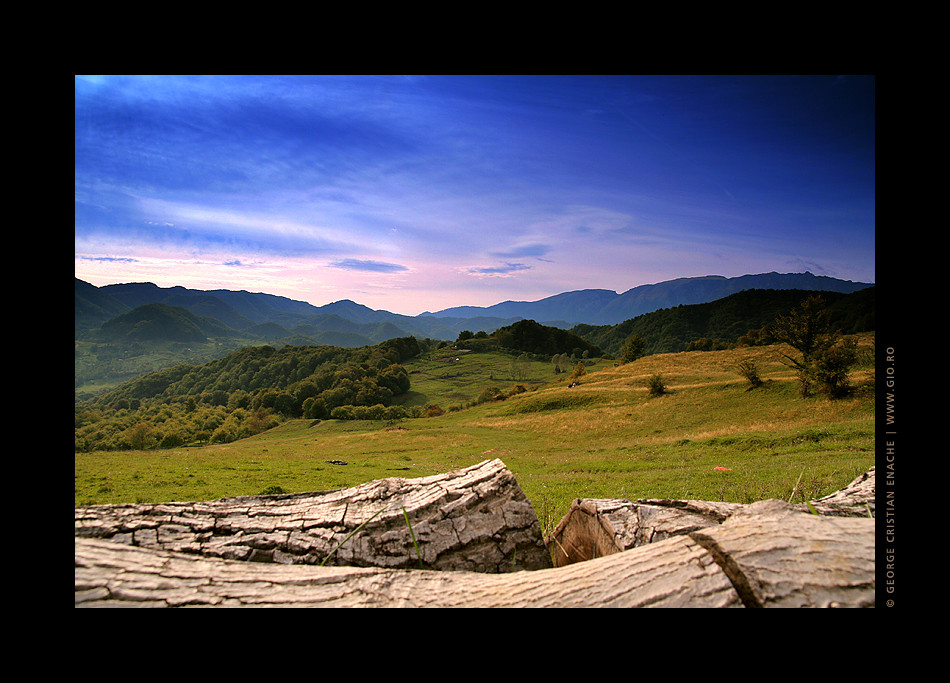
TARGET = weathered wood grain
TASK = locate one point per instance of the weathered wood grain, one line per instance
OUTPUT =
(767, 555)
(651, 554)
(596, 527)
(475, 519)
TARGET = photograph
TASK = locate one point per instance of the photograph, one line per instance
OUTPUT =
(481, 341)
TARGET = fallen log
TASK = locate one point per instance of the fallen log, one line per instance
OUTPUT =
(765, 555)
(603, 526)
(854, 500)
(597, 527)
(476, 519)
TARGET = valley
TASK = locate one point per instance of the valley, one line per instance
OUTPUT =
(173, 406)
(605, 437)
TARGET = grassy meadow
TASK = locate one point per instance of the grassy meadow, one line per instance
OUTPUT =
(606, 437)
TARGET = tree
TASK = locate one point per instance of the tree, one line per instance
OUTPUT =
(314, 408)
(832, 366)
(825, 358)
(286, 404)
(633, 348)
(140, 436)
(239, 399)
(806, 328)
(306, 390)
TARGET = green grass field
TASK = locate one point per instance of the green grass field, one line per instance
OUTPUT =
(454, 378)
(606, 437)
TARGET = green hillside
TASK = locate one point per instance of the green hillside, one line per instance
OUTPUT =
(246, 392)
(726, 321)
(124, 331)
(709, 437)
(158, 336)
(685, 424)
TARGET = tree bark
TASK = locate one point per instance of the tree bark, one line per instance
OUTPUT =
(597, 527)
(476, 519)
(765, 555)
(652, 553)
(854, 500)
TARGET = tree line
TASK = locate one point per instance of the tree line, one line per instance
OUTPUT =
(742, 319)
(246, 392)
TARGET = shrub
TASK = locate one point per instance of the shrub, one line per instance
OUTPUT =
(172, 440)
(577, 373)
(748, 369)
(515, 390)
(829, 368)
(656, 386)
(342, 412)
(488, 394)
(393, 413)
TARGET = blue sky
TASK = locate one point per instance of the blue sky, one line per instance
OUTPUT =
(415, 193)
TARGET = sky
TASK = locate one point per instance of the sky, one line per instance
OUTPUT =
(419, 193)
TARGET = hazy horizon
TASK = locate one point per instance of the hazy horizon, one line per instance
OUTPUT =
(459, 305)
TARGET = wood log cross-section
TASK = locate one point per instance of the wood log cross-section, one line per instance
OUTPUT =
(768, 554)
(602, 526)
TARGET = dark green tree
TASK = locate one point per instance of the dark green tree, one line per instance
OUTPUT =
(314, 408)
(286, 404)
(825, 359)
(633, 348)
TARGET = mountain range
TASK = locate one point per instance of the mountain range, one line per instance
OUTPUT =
(273, 317)
(605, 307)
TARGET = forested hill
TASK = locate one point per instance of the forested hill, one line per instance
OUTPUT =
(246, 392)
(729, 320)
(302, 371)
(532, 337)
(154, 322)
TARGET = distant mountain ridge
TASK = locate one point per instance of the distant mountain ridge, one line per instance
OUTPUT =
(605, 307)
(246, 311)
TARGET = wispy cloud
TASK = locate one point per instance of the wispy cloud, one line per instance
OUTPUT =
(370, 266)
(504, 270)
(536, 250)
(109, 259)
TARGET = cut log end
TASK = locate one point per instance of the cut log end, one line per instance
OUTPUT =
(597, 527)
